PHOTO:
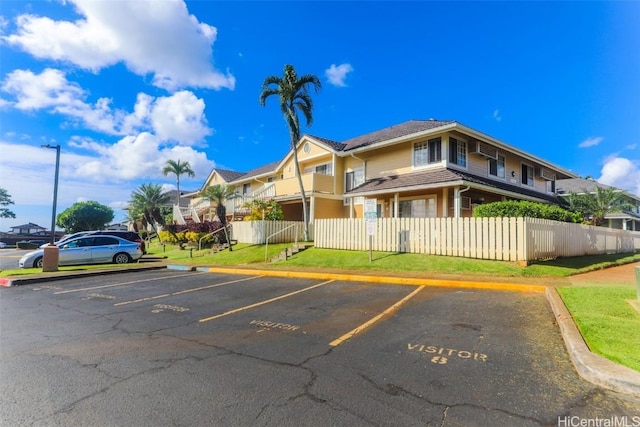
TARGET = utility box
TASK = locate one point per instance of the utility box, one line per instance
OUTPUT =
(50, 258)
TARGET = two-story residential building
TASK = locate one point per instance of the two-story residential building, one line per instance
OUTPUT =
(419, 168)
(627, 219)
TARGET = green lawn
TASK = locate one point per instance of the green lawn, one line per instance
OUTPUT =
(390, 262)
(608, 323)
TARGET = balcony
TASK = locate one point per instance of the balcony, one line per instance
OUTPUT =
(312, 183)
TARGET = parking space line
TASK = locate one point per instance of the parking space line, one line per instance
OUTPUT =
(365, 325)
(247, 307)
(185, 291)
(122, 284)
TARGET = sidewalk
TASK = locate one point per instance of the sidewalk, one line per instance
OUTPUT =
(590, 366)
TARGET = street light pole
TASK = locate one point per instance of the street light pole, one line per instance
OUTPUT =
(55, 191)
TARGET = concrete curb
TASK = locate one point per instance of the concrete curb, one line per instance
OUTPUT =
(590, 366)
(441, 283)
(50, 277)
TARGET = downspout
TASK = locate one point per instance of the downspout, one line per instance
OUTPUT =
(364, 173)
(457, 205)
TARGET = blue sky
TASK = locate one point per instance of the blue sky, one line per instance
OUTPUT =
(123, 86)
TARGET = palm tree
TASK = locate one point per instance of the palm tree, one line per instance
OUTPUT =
(178, 168)
(599, 203)
(148, 201)
(219, 194)
(293, 94)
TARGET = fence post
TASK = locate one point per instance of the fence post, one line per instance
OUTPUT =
(638, 283)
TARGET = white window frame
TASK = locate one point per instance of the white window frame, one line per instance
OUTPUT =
(504, 167)
(533, 177)
(461, 152)
(426, 146)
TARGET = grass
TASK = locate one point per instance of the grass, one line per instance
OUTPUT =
(389, 262)
(606, 320)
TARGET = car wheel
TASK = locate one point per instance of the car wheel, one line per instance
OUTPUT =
(37, 263)
(121, 258)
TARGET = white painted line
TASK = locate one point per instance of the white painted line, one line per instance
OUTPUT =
(247, 307)
(185, 291)
(123, 283)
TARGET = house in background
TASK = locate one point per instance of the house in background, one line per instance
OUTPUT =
(419, 168)
(29, 229)
(628, 219)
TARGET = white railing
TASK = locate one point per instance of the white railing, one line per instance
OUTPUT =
(256, 232)
(507, 239)
(266, 244)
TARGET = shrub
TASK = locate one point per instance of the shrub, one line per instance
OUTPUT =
(193, 232)
(520, 208)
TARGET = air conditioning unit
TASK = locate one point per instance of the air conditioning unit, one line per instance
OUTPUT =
(465, 202)
(545, 174)
(483, 149)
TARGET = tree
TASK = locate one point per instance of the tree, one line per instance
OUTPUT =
(83, 216)
(178, 168)
(219, 194)
(293, 95)
(148, 203)
(5, 200)
(261, 210)
(598, 204)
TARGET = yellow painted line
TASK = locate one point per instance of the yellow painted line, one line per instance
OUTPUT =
(121, 284)
(440, 283)
(247, 307)
(365, 325)
(185, 291)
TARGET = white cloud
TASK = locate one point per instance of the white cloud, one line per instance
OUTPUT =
(591, 142)
(621, 173)
(496, 115)
(179, 117)
(151, 37)
(337, 74)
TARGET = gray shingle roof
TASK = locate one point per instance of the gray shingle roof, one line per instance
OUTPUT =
(396, 131)
(337, 146)
(578, 185)
(441, 176)
(259, 171)
(228, 175)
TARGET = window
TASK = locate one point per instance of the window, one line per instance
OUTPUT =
(270, 179)
(417, 208)
(526, 176)
(353, 179)
(306, 148)
(246, 188)
(427, 152)
(458, 152)
(551, 186)
(326, 169)
(496, 167)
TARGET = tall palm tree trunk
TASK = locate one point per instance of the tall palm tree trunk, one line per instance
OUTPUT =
(302, 195)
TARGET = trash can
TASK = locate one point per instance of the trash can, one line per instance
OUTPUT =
(50, 258)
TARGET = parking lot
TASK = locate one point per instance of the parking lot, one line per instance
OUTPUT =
(172, 347)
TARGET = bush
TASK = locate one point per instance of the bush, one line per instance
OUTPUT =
(520, 208)
(193, 232)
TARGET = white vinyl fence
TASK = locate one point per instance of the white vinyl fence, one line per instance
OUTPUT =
(508, 239)
(256, 232)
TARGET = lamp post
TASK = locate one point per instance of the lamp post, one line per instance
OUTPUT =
(55, 191)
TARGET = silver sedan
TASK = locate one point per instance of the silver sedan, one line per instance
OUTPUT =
(93, 249)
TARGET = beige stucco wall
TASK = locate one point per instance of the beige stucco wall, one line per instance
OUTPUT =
(329, 208)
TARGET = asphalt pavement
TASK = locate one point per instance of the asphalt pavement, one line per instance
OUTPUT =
(179, 347)
(591, 367)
